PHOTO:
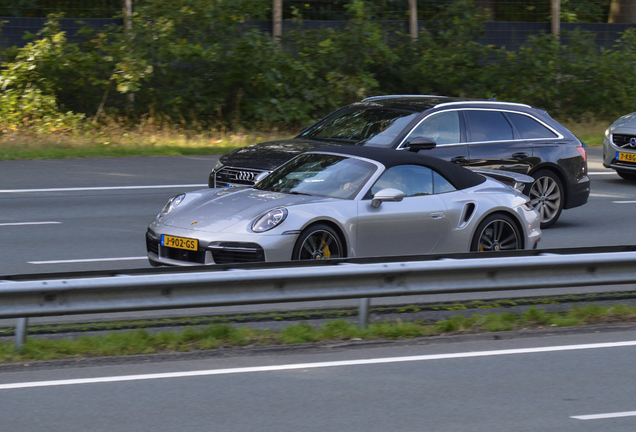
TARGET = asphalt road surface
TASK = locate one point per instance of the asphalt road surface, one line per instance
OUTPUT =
(70, 215)
(90, 214)
(572, 383)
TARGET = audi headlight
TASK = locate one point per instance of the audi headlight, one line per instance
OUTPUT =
(269, 220)
(171, 205)
(218, 165)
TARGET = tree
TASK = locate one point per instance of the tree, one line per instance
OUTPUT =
(622, 11)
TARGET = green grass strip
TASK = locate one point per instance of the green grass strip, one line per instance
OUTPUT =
(223, 335)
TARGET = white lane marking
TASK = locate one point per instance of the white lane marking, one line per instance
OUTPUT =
(624, 202)
(29, 223)
(88, 260)
(601, 195)
(602, 173)
(605, 416)
(313, 365)
(76, 189)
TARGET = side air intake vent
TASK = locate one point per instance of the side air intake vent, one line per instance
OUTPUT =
(469, 209)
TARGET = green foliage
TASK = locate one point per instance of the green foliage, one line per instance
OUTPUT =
(198, 64)
(28, 85)
(498, 322)
(399, 330)
(214, 336)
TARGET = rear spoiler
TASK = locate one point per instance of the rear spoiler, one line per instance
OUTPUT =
(514, 180)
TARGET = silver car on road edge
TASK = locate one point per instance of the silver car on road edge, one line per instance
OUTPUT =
(619, 147)
(341, 202)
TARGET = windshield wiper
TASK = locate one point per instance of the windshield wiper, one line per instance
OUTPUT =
(299, 193)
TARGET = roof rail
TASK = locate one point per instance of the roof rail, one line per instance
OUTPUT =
(372, 98)
(487, 102)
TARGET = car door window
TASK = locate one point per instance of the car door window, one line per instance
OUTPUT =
(443, 128)
(440, 184)
(410, 179)
(528, 128)
(488, 126)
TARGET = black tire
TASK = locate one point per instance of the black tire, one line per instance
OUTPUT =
(547, 196)
(497, 232)
(318, 242)
(627, 175)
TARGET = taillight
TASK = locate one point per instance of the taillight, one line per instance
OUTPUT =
(583, 153)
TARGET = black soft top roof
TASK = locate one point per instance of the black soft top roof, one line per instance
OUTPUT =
(459, 177)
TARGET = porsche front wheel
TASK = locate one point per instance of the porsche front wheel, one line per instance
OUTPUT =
(318, 242)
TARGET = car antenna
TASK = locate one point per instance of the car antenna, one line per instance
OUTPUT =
(493, 98)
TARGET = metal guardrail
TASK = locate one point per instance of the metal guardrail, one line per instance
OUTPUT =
(294, 282)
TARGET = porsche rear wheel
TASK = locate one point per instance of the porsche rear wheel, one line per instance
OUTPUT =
(318, 242)
(497, 232)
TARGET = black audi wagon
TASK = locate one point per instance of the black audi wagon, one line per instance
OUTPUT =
(474, 133)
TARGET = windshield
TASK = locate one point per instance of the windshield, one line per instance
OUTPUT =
(353, 125)
(321, 175)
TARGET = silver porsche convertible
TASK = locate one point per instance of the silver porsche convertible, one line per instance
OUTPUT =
(339, 202)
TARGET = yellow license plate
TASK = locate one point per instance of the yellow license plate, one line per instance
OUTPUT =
(626, 157)
(179, 242)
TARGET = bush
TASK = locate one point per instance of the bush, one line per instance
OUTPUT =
(198, 64)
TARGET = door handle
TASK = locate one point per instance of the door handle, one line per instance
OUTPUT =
(437, 215)
(520, 155)
(459, 159)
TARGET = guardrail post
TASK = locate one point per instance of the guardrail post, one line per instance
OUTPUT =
(21, 333)
(363, 313)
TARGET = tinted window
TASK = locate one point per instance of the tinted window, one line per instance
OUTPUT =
(440, 184)
(488, 126)
(443, 128)
(529, 128)
(410, 179)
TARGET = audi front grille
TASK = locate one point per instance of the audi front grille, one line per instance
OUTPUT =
(236, 176)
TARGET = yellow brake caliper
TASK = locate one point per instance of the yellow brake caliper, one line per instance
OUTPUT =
(326, 253)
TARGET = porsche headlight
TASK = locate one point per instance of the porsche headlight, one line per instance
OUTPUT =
(269, 220)
(171, 205)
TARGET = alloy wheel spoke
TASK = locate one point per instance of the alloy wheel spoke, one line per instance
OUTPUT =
(510, 242)
(486, 241)
(554, 197)
(310, 245)
(552, 205)
(324, 244)
(550, 186)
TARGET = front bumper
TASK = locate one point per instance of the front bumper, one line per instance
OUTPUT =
(218, 248)
(610, 156)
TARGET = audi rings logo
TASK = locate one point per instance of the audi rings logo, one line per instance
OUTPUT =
(632, 142)
(245, 175)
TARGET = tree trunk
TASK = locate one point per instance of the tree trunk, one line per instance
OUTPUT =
(277, 20)
(622, 11)
(413, 24)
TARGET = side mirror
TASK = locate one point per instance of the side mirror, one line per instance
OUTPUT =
(388, 194)
(421, 143)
